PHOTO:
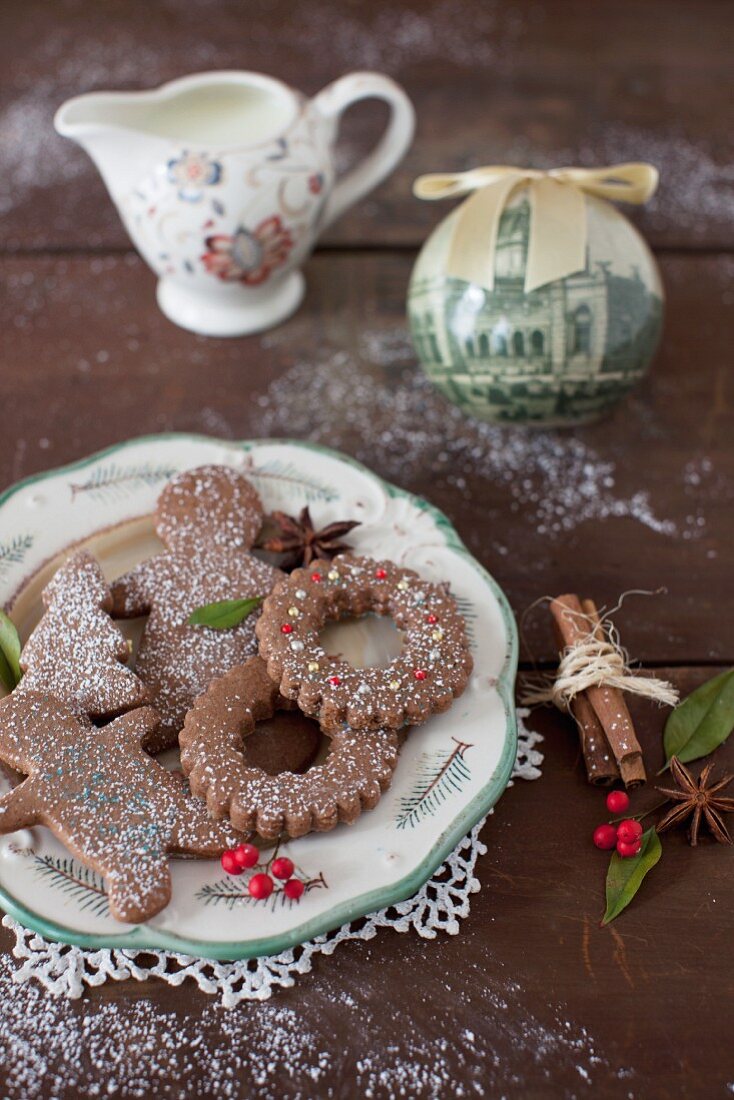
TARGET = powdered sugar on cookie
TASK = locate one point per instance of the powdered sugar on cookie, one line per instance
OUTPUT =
(207, 519)
(76, 652)
(109, 802)
(358, 769)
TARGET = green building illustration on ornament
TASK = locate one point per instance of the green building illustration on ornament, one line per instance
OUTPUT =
(562, 354)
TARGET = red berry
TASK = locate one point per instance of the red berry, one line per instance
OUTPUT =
(420, 674)
(335, 680)
(605, 837)
(282, 867)
(617, 802)
(246, 855)
(380, 574)
(293, 889)
(629, 831)
(260, 887)
(316, 577)
(229, 862)
(286, 628)
(627, 850)
(432, 619)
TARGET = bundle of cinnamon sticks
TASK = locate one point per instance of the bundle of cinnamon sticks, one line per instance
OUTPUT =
(608, 740)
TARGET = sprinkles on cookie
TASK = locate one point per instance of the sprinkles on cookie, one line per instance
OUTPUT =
(431, 670)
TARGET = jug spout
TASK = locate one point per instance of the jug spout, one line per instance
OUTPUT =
(104, 124)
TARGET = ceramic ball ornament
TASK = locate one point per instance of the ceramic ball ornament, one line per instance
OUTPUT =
(558, 354)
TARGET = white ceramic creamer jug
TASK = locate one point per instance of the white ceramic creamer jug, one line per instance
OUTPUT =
(225, 180)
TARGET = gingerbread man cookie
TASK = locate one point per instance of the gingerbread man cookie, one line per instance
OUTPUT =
(109, 802)
(208, 519)
(76, 652)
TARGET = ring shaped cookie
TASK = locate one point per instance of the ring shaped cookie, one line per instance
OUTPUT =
(357, 770)
(432, 668)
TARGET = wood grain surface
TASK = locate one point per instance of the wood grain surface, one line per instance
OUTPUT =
(531, 998)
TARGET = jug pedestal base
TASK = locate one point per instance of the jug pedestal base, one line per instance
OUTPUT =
(231, 310)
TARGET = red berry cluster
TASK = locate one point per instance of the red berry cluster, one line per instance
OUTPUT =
(244, 856)
(626, 836)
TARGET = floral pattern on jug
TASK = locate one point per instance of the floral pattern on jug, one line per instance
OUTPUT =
(208, 216)
(191, 173)
(248, 256)
(225, 182)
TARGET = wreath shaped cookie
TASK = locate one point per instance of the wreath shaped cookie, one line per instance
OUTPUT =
(430, 672)
(358, 769)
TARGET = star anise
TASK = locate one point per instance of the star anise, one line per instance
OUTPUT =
(300, 542)
(699, 798)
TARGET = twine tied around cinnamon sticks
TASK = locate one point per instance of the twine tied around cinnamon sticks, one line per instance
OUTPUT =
(592, 674)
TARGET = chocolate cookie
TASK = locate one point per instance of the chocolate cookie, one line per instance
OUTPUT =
(430, 671)
(76, 652)
(109, 802)
(357, 770)
(207, 518)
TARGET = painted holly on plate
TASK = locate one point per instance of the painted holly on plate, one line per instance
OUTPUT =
(451, 770)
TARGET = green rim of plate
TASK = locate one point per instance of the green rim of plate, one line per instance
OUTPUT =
(143, 937)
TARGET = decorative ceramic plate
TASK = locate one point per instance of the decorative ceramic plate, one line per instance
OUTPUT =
(451, 771)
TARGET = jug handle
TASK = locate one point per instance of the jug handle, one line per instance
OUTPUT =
(332, 101)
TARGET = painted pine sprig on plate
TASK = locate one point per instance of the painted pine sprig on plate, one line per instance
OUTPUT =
(14, 552)
(232, 894)
(118, 482)
(469, 614)
(440, 774)
(277, 471)
(75, 880)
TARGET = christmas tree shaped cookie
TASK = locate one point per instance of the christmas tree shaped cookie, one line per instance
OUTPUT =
(76, 651)
(118, 810)
(207, 519)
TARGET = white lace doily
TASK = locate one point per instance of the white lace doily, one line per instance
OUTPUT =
(437, 907)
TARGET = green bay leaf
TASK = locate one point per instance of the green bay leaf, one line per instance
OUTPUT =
(6, 676)
(702, 721)
(10, 672)
(224, 614)
(625, 876)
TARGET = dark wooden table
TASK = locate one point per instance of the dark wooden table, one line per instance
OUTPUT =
(532, 998)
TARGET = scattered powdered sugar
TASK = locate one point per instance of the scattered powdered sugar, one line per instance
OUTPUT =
(379, 407)
(67, 60)
(395, 37)
(697, 187)
(90, 1048)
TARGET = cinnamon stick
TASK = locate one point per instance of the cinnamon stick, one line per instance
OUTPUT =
(607, 704)
(601, 767)
(631, 766)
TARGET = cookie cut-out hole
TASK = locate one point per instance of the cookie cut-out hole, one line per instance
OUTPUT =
(370, 641)
(287, 742)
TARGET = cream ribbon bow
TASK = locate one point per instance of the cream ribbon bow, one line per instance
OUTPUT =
(557, 245)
